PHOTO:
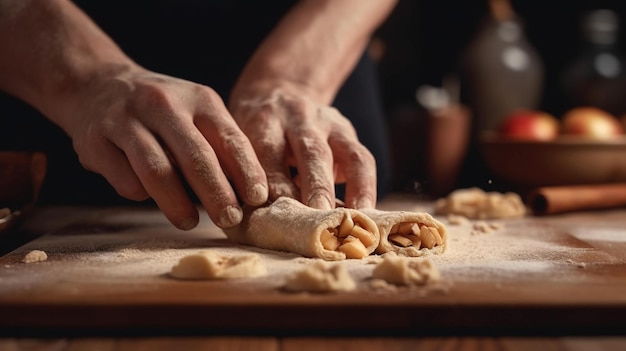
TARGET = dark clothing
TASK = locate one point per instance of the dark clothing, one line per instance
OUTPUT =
(207, 42)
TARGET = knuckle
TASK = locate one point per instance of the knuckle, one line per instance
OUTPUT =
(197, 162)
(343, 124)
(156, 168)
(295, 107)
(207, 93)
(361, 156)
(265, 145)
(312, 147)
(153, 95)
(233, 140)
(260, 116)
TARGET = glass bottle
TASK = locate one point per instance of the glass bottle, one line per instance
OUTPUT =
(597, 75)
(501, 71)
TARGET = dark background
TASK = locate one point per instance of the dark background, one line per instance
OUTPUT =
(422, 42)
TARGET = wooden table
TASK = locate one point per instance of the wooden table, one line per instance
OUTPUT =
(558, 282)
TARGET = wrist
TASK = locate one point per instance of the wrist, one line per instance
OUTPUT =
(246, 91)
(65, 98)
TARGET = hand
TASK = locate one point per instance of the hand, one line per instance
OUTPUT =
(289, 130)
(144, 132)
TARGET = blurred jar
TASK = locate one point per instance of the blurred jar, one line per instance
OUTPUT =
(597, 75)
(501, 70)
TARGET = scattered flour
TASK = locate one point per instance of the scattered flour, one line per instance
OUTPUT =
(519, 249)
(595, 234)
(126, 251)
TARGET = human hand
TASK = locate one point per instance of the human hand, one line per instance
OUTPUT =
(144, 132)
(287, 129)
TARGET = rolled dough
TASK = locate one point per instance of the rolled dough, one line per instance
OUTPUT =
(288, 225)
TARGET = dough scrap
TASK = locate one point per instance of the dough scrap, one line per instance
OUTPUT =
(288, 225)
(475, 203)
(406, 271)
(454, 219)
(206, 265)
(35, 256)
(482, 227)
(409, 233)
(321, 277)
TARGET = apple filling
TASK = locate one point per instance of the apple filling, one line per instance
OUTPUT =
(350, 237)
(413, 234)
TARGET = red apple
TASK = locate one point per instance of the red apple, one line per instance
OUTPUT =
(530, 125)
(591, 122)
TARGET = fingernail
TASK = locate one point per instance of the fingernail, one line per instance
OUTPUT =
(319, 202)
(257, 194)
(230, 217)
(188, 223)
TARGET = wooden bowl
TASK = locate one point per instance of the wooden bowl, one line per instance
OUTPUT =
(568, 160)
(21, 176)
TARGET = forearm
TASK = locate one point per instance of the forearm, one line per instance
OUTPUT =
(50, 52)
(315, 46)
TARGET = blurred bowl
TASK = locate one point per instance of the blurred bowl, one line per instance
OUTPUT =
(21, 176)
(568, 160)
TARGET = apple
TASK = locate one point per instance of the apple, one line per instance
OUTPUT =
(591, 122)
(530, 125)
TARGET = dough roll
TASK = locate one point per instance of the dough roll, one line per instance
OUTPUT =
(289, 225)
(408, 233)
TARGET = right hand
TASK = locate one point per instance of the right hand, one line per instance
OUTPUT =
(145, 131)
(291, 131)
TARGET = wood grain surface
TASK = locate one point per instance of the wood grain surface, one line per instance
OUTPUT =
(222, 343)
(106, 275)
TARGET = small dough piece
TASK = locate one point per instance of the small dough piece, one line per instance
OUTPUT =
(454, 219)
(475, 203)
(35, 256)
(482, 227)
(206, 265)
(406, 271)
(289, 225)
(408, 233)
(321, 277)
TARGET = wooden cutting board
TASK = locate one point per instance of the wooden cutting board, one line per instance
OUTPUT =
(107, 272)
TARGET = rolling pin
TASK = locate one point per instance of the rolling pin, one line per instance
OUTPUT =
(568, 198)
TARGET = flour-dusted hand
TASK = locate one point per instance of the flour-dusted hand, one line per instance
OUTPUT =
(144, 131)
(148, 133)
(283, 96)
(288, 130)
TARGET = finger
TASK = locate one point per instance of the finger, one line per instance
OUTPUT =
(315, 168)
(201, 168)
(159, 177)
(110, 162)
(173, 122)
(358, 167)
(236, 155)
(268, 141)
